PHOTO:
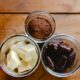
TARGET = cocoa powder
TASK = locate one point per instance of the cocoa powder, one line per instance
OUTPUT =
(39, 28)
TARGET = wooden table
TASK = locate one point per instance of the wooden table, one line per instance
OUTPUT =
(11, 24)
(69, 6)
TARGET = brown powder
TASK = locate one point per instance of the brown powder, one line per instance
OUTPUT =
(39, 28)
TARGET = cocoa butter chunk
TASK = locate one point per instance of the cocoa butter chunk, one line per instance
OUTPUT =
(39, 28)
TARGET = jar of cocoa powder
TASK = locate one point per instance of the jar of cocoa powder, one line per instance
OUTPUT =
(39, 26)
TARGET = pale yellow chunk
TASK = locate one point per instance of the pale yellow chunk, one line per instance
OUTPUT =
(24, 55)
(28, 52)
(24, 66)
(17, 46)
(13, 60)
(31, 49)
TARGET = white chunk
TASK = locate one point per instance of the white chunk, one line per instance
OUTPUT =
(24, 66)
(24, 55)
(28, 52)
(18, 45)
(33, 62)
(29, 48)
(13, 60)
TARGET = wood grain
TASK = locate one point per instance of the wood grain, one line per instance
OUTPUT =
(11, 24)
(47, 5)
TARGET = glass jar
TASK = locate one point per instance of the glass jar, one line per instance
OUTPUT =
(4, 47)
(69, 41)
(42, 26)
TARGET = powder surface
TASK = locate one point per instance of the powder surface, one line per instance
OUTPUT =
(39, 28)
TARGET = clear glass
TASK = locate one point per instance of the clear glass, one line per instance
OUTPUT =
(45, 15)
(4, 47)
(75, 45)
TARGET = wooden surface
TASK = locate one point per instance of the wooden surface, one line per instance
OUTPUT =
(48, 5)
(11, 24)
